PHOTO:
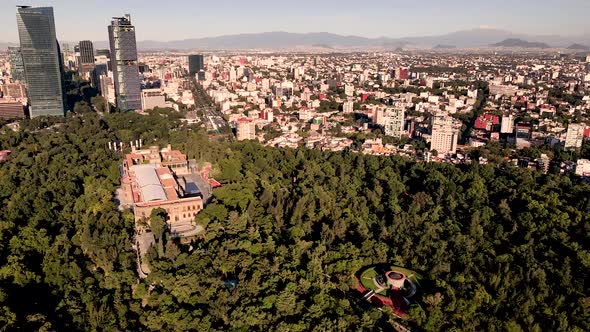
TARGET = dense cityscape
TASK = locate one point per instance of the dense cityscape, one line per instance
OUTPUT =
(291, 189)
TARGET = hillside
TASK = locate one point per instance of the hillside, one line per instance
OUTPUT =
(499, 249)
(578, 47)
(519, 43)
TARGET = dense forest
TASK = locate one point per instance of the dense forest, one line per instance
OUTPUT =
(500, 249)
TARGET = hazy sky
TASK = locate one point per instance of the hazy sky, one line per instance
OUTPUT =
(181, 19)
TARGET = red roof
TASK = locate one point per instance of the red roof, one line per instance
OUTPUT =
(486, 122)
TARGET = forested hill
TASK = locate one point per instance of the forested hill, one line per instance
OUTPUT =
(501, 250)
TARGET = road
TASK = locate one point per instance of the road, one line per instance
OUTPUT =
(212, 115)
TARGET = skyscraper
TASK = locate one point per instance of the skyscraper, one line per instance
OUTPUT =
(86, 58)
(86, 52)
(124, 63)
(196, 63)
(17, 69)
(41, 60)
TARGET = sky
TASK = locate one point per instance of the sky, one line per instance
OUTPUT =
(166, 20)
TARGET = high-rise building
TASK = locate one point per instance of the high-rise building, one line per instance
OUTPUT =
(41, 60)
(574, 136)
(394, 122)
(246, 129)
(85, 58)
(86, 52)
(196, 63)
(17, 68)
(444, 134)
(124, 63)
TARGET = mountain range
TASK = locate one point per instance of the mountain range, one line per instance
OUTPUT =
(474, 38)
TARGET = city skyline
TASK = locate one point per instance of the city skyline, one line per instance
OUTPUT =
(378, 18)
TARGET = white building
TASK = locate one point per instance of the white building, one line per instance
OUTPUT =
(394, 122)
(233, 75)
(583, 167)
(246, 129)
(445, 134)
(349, 90)
(379, 117)
(348, 107)
(575, 136)
(507, 125)
(107, 88)
(152, 98)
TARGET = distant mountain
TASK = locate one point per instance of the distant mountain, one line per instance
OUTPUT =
(578, 47)
(262, 40)
(460, 39)
(519, 43)
(443, 47)
(474, 38)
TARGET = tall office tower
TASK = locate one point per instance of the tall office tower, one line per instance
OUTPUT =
(17, 68)
(394, 122)
(574, 136)
(124, 63)
(86, 51)
(444, 134)
(41, 59)
(196, 63)
(86, 58)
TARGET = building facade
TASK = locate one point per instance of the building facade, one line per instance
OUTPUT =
(574, 136)
(246, 129)
(445, 135)
(41, 60)
(11, 109)
(160, 178)
(152, 98)
(86, 52)
(196, 63)
(379, 116)
(394, 122)
(85, 58)
(17, 67)
(124, 63)
(507, 126)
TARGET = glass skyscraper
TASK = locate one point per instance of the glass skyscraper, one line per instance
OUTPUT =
(124, 63)
(195, 63)
(41, 60)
